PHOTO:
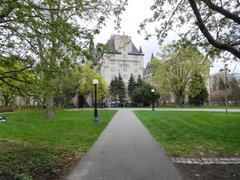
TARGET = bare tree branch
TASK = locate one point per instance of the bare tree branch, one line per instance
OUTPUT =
(222, 11)
(206, 33)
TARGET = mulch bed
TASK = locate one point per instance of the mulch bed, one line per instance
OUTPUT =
(209, 172)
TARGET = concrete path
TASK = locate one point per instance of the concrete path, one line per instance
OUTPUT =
(125, 151)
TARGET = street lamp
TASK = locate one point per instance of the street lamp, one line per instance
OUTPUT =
(153, 108)
(95, 83)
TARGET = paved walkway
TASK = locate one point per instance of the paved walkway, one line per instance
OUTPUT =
(125, 151)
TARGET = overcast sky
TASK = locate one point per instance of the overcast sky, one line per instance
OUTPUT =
(136, 12)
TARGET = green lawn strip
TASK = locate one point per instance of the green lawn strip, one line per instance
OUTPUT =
(31, 146)
(194, 134)
(199, 107)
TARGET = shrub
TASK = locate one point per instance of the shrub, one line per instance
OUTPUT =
(6, 109)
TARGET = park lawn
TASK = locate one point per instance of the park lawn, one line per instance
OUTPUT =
(194, 134)
(32, 147)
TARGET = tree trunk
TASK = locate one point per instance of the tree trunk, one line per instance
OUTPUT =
(180, 101)
(49, 106)
(7, 99)
(226, 104)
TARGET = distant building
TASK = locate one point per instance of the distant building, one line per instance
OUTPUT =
(121, 57)
(147, 73)
(215, 78)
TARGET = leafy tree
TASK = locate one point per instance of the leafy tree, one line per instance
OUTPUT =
(7, 95)
(78, 80)
(51, 32)
(15, 73)
(16, 79)
(221, 95)
(142, 95)
(214, 22)
(235, 91)
(174, 71)
(162, 87)
(198, 93)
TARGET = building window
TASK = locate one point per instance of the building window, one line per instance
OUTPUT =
(125, 69)
(135, 57)
(135, 63)
(135, 70)
(112, 62)
(124, 56)
(125, 76)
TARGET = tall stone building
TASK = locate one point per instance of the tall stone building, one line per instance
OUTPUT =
(121, 57)
(147, 73)
(215, 78)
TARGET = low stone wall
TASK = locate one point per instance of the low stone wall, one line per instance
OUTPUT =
(205, 161)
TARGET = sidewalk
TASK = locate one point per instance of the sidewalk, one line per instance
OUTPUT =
(125, 151)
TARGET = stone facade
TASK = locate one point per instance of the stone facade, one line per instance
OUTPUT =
(215, 78)
(147, 74)
(121, 57)
(205, 161)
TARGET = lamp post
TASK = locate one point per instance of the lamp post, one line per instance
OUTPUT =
(95, 83)
(153, 108)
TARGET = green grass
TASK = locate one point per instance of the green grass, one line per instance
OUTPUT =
(31, 146)
(194, 134)
(200, 107)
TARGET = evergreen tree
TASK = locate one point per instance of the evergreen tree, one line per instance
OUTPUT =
(121, 90)
(117, 89)
(221, 85)
(113, 88)
(139, 81)
(131, 85)
(197, 90)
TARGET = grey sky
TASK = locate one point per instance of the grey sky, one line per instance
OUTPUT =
(135, 13)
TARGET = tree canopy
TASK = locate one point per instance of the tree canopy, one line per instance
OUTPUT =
(197, 91)
(117, 89)
(206, 22)
(178, 63)
(142, 95)
(51, 36)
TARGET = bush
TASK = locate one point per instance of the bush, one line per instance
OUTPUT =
(6, 109)
(142, 95)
